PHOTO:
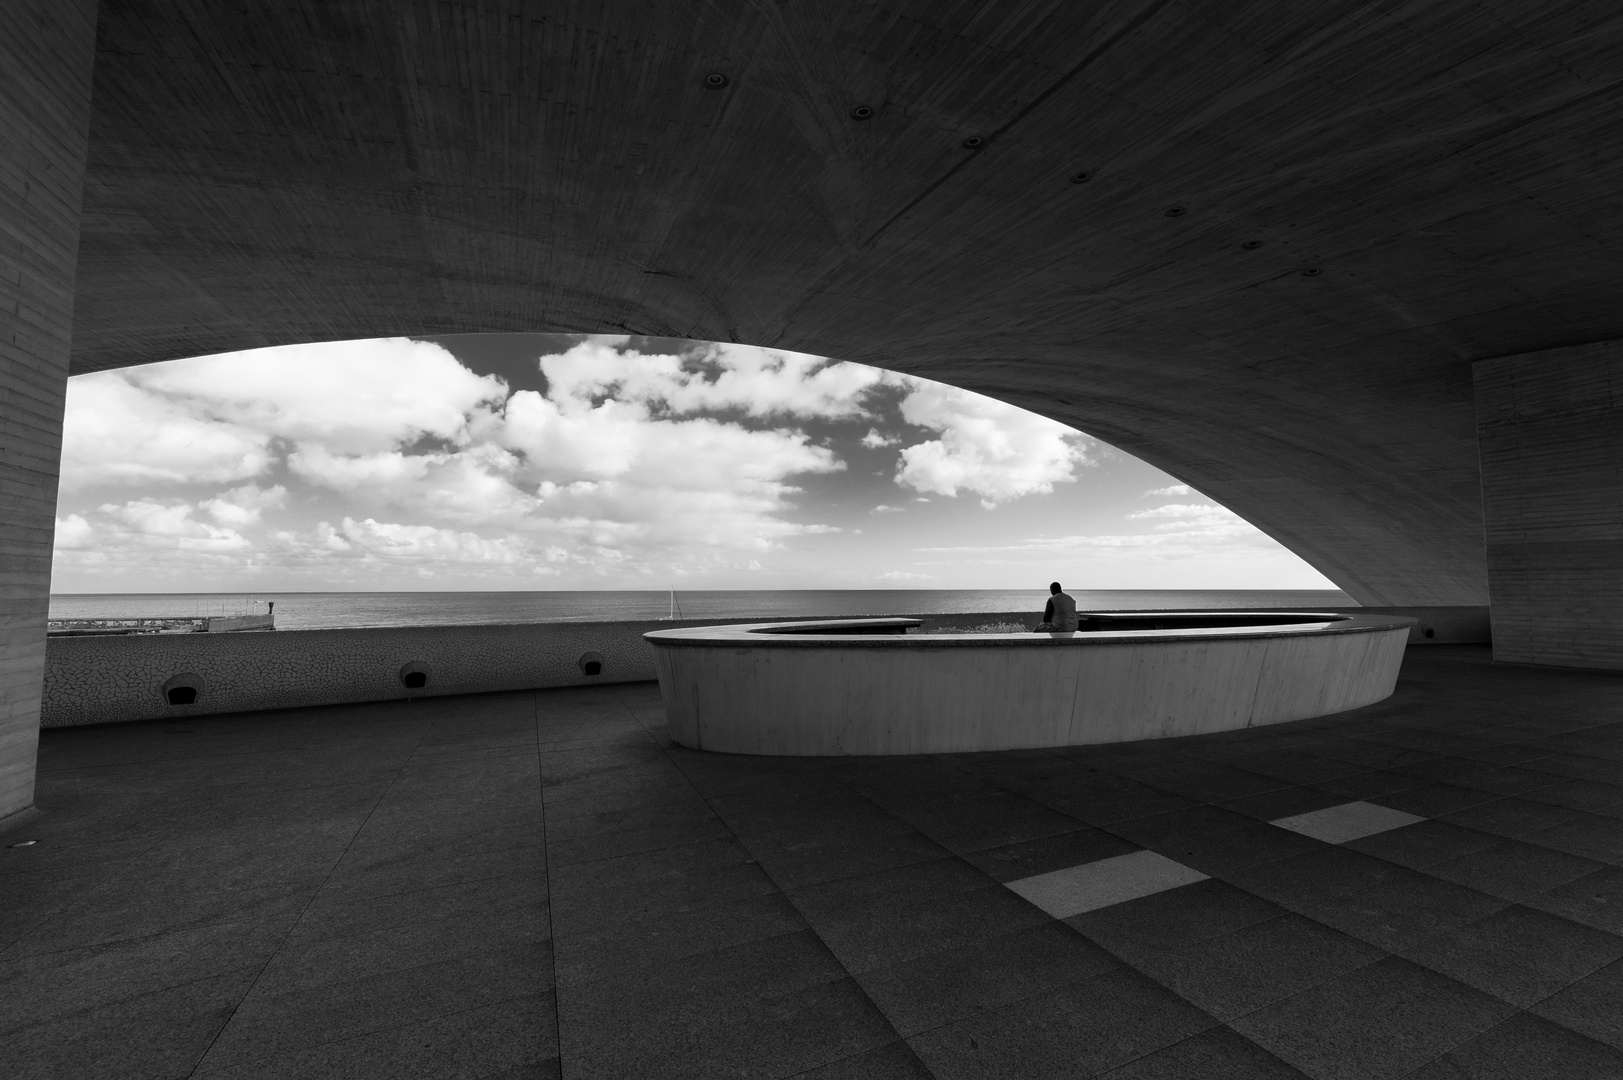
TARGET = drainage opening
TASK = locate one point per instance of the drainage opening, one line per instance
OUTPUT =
(414, 676)
(715, 81)
(182, 689)
(862, 112)
(591, 664)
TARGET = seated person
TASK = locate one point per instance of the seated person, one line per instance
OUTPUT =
(1060, 614)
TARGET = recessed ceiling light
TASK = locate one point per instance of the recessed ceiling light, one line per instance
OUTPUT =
(862, 112)
(715, 80)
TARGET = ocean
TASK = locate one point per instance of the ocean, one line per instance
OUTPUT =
(304, 611)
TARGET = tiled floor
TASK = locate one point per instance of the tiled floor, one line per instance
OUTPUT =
(539, 884)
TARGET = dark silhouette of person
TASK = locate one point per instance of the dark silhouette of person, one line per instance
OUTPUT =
(1060, 614)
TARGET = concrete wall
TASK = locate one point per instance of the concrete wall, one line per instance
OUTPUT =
(46, 51)
(102, 680)
(1550, 436)
(732, 691)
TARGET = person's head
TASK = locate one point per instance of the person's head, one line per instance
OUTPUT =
(1053, 587)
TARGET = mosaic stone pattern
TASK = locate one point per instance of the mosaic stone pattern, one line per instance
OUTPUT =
(105, 680)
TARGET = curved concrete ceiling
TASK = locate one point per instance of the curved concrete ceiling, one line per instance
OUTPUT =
(1430, 183)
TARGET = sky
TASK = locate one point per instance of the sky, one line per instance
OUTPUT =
(529, 461)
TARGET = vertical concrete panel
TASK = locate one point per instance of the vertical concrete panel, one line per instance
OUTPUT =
(1550, 436)
(47, 49)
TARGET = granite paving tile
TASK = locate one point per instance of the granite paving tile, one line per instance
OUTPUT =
(1232, 974)
(1514, 870)
(1284, 802)
(1592, 1006)
(1341, 822)
(1379, 1021)
(948, 984)
(686, 829)
(1518, 954)
(1076, 889)
(1580, 794)
(727, 1035)
(1434, 800)
(1236, 850)
(611, 949)
(1175, 919)
(1404, 909)
(1594, 899)
(516, 1038)
(1591, 835)
(159, 1034)
(1423, 844)
(42, 987)
(1511, 817)
(1047, 853)
(893, 1061)
(272, 1022)
(1526, 1047)
(1176, 824)
(1217, 1052)
(1079, 1029)
(839, 853)
(892, 932)
(1327, 871)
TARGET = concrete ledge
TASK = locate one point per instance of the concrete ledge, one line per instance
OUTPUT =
(105, 680)
(753, 689)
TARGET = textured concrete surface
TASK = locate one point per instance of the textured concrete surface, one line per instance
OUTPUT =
(1550, 431)
(112, 679)
(46, 50)
(540, 884)
(1300, 223)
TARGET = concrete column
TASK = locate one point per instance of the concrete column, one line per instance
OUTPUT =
(47, 49)
(1550, 437)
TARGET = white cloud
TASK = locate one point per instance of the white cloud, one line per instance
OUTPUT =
(759, 382)
(1172, 490)
(986, 447)
(350, 397)
(874, 439)
(171, 525)
(883, 509)
(115, 431)
(904, 575)
(1195, 517)
(73, 533)
(244, 505)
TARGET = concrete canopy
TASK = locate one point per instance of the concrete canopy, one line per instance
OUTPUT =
(1299, 225)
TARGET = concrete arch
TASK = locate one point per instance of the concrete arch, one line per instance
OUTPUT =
(1431, 183)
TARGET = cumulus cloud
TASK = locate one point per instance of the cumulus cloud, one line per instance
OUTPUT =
(985, 447)
(883, 509)
(244, 505)
(757, 382)
(115, 431)
(1171, 490)
(875, 439)
(73, 532)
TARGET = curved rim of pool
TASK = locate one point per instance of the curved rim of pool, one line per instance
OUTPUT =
(1099, 628)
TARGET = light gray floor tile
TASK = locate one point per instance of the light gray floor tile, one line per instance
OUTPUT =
(1063, 893)
(1349, 821)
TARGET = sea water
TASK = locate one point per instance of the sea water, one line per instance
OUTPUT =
(303, 611)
